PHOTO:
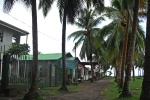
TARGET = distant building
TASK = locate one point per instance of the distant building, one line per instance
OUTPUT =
(50, 67)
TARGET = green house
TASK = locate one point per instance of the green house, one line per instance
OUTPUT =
(50, 67)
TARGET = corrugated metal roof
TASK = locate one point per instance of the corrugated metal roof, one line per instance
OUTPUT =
(51, 56)
(70, 58)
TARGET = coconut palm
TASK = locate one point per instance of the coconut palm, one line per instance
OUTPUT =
(101, 54)
(117, 35)
(88, 20)
(8, 4)
(130, 53)
(145, 93)
(114, 32)
(68, 9)
(131, 46)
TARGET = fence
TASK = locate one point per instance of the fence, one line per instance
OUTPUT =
(20, 68)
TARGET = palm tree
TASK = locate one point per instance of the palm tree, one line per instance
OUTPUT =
(68, 9)
(117, 37)
(130, 53)
(145, 93)
(32, 93)
(101, 54)
(88, 20)
(114, 32)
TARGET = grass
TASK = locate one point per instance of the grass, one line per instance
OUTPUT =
(111, 92)
(54, 90)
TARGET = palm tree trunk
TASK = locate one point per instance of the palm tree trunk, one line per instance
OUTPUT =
(119, 73)
(116, 77)
(63, 87)
(114, 73)
(145, 94)
(76, 71)
(130, 55)
(124, 52)
(133, 71)
(33, 94)
(92, 71)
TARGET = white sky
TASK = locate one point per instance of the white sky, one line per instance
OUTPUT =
(50, 28)
(49, 35)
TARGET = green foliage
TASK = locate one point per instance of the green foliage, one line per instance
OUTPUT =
(112, 91)
(18, 49)
(88, 20)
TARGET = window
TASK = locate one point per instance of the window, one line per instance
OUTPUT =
(1, 35)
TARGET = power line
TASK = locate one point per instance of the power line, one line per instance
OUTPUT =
(31, 27)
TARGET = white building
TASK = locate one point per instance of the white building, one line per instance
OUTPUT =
(8, 35)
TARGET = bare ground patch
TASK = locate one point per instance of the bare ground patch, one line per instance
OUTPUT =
(90, 91)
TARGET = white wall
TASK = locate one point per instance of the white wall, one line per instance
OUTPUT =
(7, 39)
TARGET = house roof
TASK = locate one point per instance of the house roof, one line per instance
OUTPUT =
(14, 28)
(50, 56)
(72, 58)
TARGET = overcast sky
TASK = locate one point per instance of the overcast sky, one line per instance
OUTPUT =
(50, 28)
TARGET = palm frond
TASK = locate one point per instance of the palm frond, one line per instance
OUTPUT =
(72, 7)
(83, 51)
(140, 41)
(97, 21)
(106, 30)
(45, 5)
(117, 4)
(76, 35)
(8, 4)
(80, 23)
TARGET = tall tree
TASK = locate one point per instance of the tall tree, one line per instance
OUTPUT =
(125, 42)
(130, 53)
(145, 93)
(117, 38)
(68, 9)
(87, 21)
(8, 4)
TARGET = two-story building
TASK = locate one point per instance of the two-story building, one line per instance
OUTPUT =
(8, 35)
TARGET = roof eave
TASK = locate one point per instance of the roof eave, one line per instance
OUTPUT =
(23, 32)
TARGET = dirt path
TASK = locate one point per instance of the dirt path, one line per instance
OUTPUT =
(90, 91)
